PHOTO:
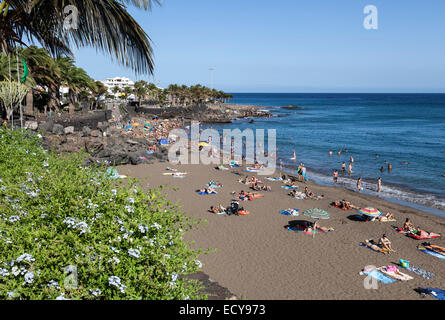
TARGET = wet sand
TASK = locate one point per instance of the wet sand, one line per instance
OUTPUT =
(256, 257)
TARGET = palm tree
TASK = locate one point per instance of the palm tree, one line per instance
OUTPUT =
(76, 79)
(43, 69)
(105, 25)
(141, 90)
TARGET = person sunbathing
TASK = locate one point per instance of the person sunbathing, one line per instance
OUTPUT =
(373, 246)
(218, 210)
(385, 243)
(208, 190)
(408, 226)
(385, 218)
(316, 226)
(308, 192)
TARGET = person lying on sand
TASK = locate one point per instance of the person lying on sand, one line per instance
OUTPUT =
(220, 209)
(308, 192)
(344, 205)
(207, 190)
(297, 194)
(257, 187)
(373, 246)
(409, 226)
(385, 243)
(385, 218)
(317, 227)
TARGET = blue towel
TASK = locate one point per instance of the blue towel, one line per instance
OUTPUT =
(289, 213)
(289, 187)
(213, 186)
(205, 193)
(436, 293)
(380, 277)
(433, 253)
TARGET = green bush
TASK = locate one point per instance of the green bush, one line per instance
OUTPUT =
(59, 219)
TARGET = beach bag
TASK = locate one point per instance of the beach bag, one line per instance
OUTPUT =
(404, 263)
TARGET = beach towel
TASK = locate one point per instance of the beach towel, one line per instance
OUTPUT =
(274, 179)
(340, 208)
(394, 273)
(213, 185)
(376, 274)
(205, 193)
(289, 187)
(290, 212)
(413, 235)
(436, 293)
(421, 272)
(234, 165)
(301, 228)
(430, 252)
(112, 173)
(380, 250)
(434, 248)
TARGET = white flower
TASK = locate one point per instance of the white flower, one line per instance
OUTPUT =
(4, 272)
(54, 284)
(14, 218)
(129, 209)
(29, 277)
(131, 200)
(114, 260)
(96, 292)
(134, 253)
(25, 257)
(156, 225)
(143, 228)
(116, 281)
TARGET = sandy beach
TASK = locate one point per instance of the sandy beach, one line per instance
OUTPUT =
(257, 257)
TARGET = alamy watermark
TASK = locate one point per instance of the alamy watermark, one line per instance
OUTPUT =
(371, 21)
(236, 145)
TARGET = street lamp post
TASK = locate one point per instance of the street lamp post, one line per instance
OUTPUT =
(211, 77)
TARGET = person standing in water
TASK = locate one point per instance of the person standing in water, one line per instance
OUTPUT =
(351, 159)
(359, 184)
(335, 176)
(379, 184)
(330, 153)
(350, 168)
(389, 167)
(343, 167)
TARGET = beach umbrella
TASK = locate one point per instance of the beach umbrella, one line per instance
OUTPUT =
(203, 144)
(163, 142)
(317, 214)
(370, 212)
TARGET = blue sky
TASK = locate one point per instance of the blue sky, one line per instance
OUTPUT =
(291, 46)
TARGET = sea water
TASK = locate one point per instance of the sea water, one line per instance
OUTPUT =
(375, 129)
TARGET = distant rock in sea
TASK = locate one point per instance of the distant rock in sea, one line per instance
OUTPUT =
(291, 106)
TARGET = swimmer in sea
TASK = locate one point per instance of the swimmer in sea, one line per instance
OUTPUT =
(382, 169)
(330, 153)
(389, 166)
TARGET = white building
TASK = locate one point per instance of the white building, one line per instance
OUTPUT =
(120, 82)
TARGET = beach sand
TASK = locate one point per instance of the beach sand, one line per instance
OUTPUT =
(256, 257)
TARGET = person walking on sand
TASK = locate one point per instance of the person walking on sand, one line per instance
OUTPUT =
(379, 184)
(335, 176)
(359, 184)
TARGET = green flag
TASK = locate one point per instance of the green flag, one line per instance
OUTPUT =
(25, 71)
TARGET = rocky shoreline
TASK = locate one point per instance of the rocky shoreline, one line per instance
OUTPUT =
(103, 136)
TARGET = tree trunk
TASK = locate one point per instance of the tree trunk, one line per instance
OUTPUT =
(29, 110)
(71, 103)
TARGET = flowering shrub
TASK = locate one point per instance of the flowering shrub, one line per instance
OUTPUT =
(69, 232)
